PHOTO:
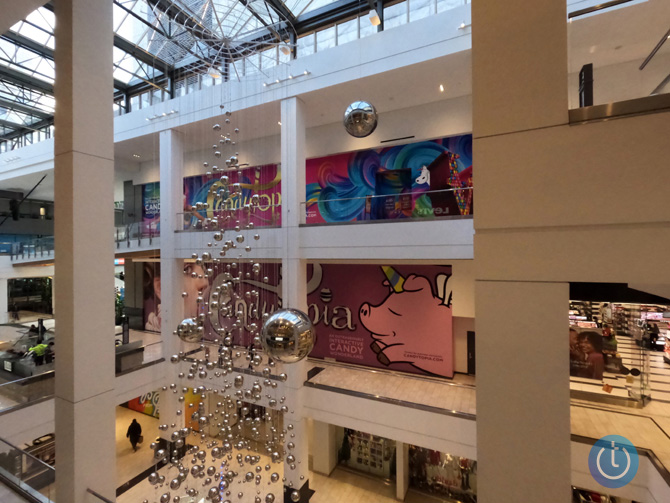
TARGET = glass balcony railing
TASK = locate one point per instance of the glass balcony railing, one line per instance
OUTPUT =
(27, 472)
(418, 205)
(619, 51)
(136, 233)
(26, 391)
(222, 219)
(33, 249)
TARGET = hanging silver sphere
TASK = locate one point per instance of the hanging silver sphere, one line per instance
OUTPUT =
(288, 335)
(189, 331)
(360, 119)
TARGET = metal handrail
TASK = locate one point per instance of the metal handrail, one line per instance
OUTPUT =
(25, 380)
(390, 195)
(24, 453)
(98, 495)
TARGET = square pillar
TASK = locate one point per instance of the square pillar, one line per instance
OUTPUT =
(84, 202)
(294, 284)
(523, 391)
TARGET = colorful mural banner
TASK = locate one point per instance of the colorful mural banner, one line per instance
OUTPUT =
(151, 208)
(260, 185)
(393, 316)
(385, 316)
(146, 404)
(419, 180)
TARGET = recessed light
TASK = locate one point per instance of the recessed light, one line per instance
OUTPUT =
(279, 122)
(137, 156)
(441, 88)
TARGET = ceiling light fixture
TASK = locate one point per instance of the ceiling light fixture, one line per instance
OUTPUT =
(285, 49)
(290, 77)
(374, 18)
(279, 122)
(441, 88)
(463, 26)
(137, 156)
(214, 73)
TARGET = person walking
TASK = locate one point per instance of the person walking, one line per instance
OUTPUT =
(134, 433)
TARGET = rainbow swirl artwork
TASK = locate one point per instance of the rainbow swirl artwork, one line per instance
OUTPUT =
(425, 179)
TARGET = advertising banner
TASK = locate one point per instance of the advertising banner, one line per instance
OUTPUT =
(385, 316)
(261, 188)
(146, 404)
(151, 208)
(404, 181)
(392, 316)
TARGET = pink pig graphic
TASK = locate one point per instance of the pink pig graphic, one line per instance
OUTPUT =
(412, 325)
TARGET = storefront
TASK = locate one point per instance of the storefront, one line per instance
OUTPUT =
(450, 477)
(367, 453)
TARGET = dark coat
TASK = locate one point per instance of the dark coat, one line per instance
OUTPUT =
(134, 431)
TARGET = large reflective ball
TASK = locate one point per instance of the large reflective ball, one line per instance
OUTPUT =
(288, 335)
(360, 119)
(188, 331)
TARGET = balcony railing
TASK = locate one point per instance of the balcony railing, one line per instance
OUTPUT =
(418, 205)
(27, 473)
(247, 217)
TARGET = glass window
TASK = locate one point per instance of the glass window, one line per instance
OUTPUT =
(3, 146)
(236, 69)
(156, 96)
(269, 58)
(443, 5)
(347, 31)
(179, 88)
(192, 83)
(306, 45)
(145, 99)
(252, 64)
(325, 39)
(206, 81)
(134, 103)
(418, 9)
(366, 27)
(395, 15)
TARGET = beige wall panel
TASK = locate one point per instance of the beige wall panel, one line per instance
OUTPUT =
(524, 85)
(597, 173)
(523, 397)
(599, 254)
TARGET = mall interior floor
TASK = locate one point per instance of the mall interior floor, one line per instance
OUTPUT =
(130, 463)
(9, 496)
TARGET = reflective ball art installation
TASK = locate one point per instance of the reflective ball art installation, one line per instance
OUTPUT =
(189, 331)
(360, 119)
(288, 335)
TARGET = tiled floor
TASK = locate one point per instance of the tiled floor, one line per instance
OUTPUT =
(128, 462)
(425, 391)
(9, 496)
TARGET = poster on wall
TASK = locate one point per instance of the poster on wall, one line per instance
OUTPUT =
(397, 317)
(146, 404)
(419, 180)
(151, 208)
(260, 186)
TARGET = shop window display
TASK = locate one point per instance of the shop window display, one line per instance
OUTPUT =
(586, 496)
(368, 453)
(451, 477)
(612, 346)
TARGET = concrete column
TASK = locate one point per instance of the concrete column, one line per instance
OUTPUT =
(523, 391)
(294, 280)
(324, 447)
(172, 267)
(84, 201)
(4, 301)
(401, 470)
